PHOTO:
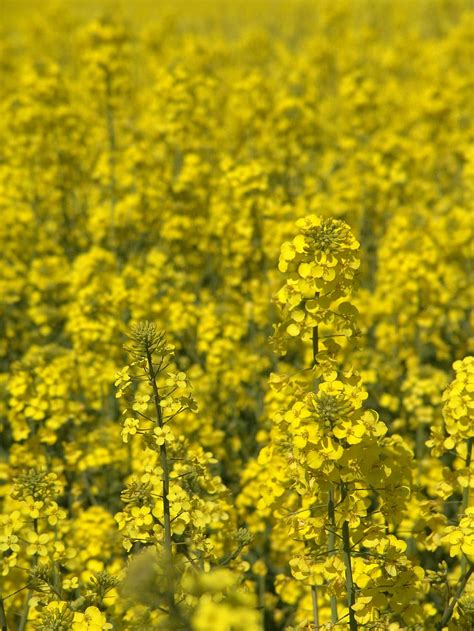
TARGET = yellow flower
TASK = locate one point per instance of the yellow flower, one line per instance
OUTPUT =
(163, 435)
(91, 620)
(37, 543)
(141, 402)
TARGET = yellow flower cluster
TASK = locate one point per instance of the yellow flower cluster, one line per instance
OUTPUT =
(322, 260)
(228, 173)
(339, 466)
(458, 409)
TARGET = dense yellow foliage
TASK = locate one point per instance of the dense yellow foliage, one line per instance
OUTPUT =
(236, 372)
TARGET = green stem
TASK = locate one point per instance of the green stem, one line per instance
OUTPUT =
(315, 345)
(346, 554)
(24, 613)
(314, 597)
(465, 494)
(420, 445)
(420, 441)
(448, 612)
(261, 598)
(166, 489)
(112, 151)
(3, 615)
(26, 606)
(332, 545)
(331, 512)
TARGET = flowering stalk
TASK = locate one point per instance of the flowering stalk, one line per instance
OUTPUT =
(324, 259)
(331, 512)
(147, 341)
(456, 437)
(166, 481)
(172, 500)
(314, 589)
(329, 440)
(29, 593)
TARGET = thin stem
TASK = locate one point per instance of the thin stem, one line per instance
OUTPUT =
(3, 616)
(449, 610)
(26, 606)
(314, 598)
(465, 494)
(331, 545)
(420, 449)
(331, 511)
(166, 488)
(231, 557)
(17, 591)
(112, 150)
(261, 598)
(346, 554)
(315, 345)
(24, 613)
(147, 418)
(420, 441)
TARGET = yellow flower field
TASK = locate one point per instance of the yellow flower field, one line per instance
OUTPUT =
(236, 308)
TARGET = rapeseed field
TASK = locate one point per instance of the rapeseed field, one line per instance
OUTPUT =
(236, 292)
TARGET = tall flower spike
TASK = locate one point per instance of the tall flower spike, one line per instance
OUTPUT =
(320, 262)
(335, 449)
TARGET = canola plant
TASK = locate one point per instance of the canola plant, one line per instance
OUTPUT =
(236, 354)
